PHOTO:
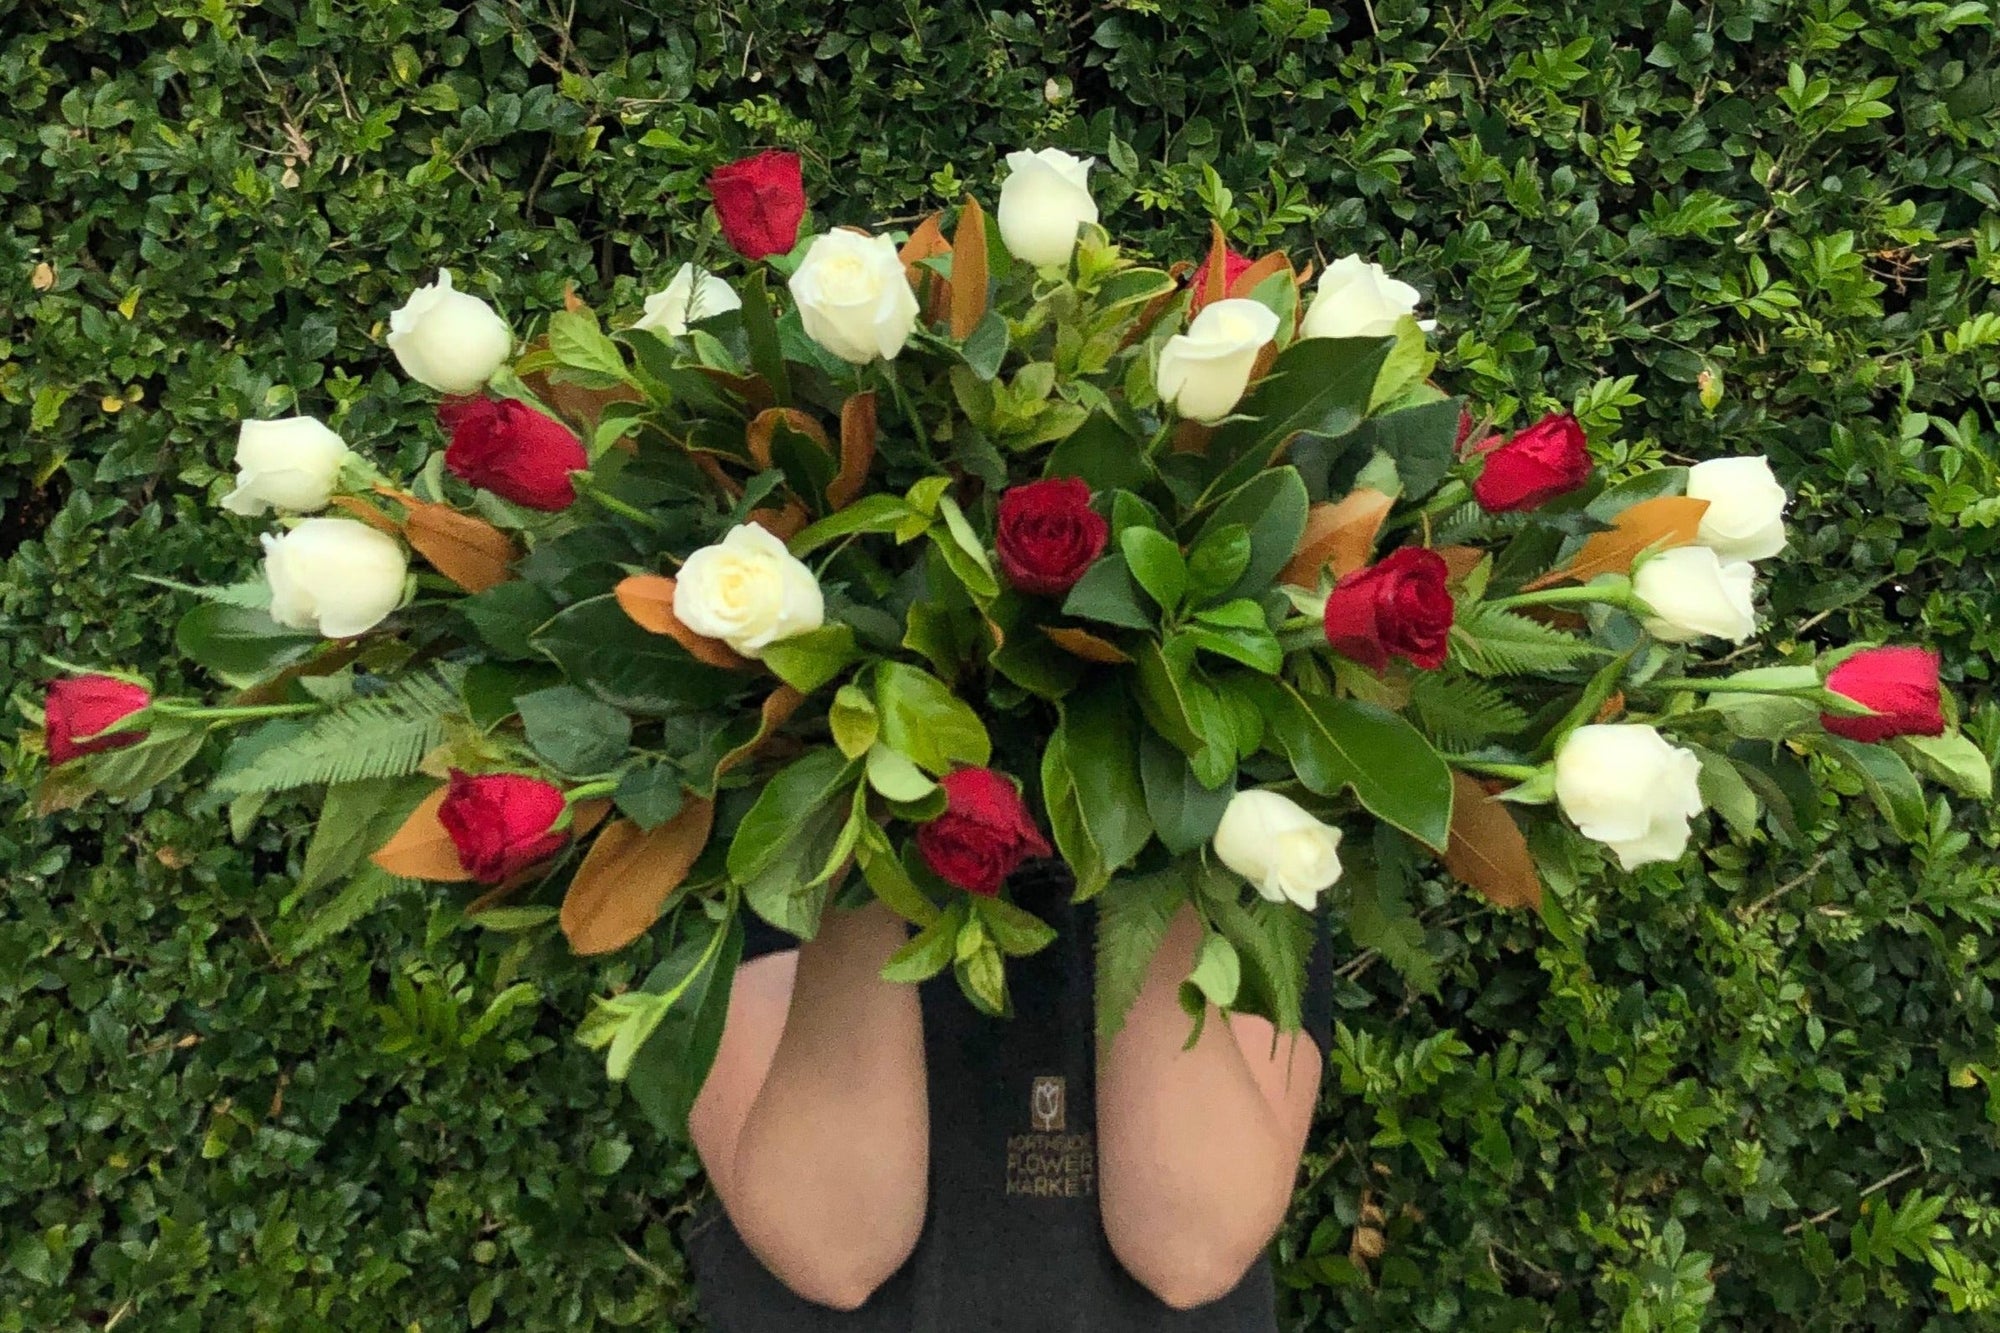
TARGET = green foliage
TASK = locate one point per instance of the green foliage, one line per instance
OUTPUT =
(1758, 1094)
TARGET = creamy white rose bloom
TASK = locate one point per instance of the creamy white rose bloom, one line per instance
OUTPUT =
(1623, 785)
(1358, 299)
(1043, 201)
(292, 463)
(1204, 371)
(1284, 852)
(748, 591)
(449, 340)
(854, 297)
(691, 294)
(1745, 518)
(1692, 592)
(336, 575)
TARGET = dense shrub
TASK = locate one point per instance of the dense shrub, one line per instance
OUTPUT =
(1761, 1093)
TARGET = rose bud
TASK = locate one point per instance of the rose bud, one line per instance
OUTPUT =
(79, 706)
(748, 591)
(1357, 298)
(500, 822)
(1623, 785)
(1049, 535)
(1204, 371)
(1285, 853)
(1691, 592)
(690, 295)
(1233, 265)
(1900, 684)
(334, 575)
(983, 834)
(1397, 607)
(292, 463)
(504, 446)
(1466, 425)
(1745, 518)
(448, 340)
(1532, 467)
(854, 296)
(760, 201)
(1043, 201)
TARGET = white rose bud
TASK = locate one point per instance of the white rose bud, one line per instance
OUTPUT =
(1284, 852)
(1358, 299)
(1692, 593)
(449, 340)
(1044, 199)
(1623, 785)
(336, 575)
(690, 295)
(1204, 371)
(1745, 518)
(292, 463)
(748, 591)
(854, 297)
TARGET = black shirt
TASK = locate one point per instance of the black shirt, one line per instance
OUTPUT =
(1012, 1238)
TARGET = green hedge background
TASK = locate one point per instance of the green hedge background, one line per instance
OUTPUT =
(1759, 1093)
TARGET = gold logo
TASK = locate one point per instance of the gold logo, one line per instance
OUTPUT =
(1045, 1104)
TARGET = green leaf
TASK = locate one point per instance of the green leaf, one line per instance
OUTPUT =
(894, 776)
(1953, 759)
(1422, 442)
(1066, 822)
(1462, 713)
(983, 978)
(964, 552)
(1272, 508)
(241, 644)
(505, 615)
(1889, 782)
(354, 820)
(386, 734)
(893, 884)
(1187, 712)
(1157, 565)
(1104, 454)
(129, 770)
(667, 1072)
(1100, 739)
(650, 795)
(1378, 911)
(773, 823)
(574, 732)
(986, 346)
(791, 888)
(870, 513)
(1217, 561)
(1217, 971)
(370, 887)
(1342, 743)
(928, 953)
(580, 344)
(1016, 931)
(807, 661)
(1273, 942)
(1134, 913)
(1185, 814)
(604, 651)
(1318, 386)
(767, 357)
(853, 720)
(1725, 791)
(924, 720)
(1106, 593)
(1256, 648)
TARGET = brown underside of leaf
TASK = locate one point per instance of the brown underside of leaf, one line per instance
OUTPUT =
(649, 600)
(1486, 850)
(1667, 520)
(421, 849)
(62, 789)
(779, 704)
(751, 389)
(465, 549)
(1339, 534)
(1192, 437)
(1084, 644)
(1216, 270)
(1156, 307)
(357, 507)
(628, 875)
(757, 435)
(1612, 707)
(706, 462)
(857, 449)
(784, 524)
(933, 292)
(1248, 280)
(1460, 560)
(571, 301)
(580, 407)
(272, 691)
(968, 270)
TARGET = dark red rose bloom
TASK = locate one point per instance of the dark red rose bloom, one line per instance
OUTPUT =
(1233, 265)
(79, 705)
(1534, 466)
(1397, 607)
(1049, 535)
(500, 822)
(983, 834)
(507, 447)
(1900, 684)
(760, 202)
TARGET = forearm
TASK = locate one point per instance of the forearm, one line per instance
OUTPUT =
(830, 1168)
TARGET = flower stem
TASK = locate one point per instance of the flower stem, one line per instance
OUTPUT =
(590, 488)
(228, 713)
(1732, 687)
(588, 790)
(909, 411)
(1618, 594)
(1518, 772)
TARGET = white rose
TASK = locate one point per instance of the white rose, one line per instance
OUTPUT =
(1623, 785)
(291, 463)
(1044, 199)
(1692, 592)
(854, 297)
(690, 295)
(1745, 518)
(336, 575)
(449, 340)
(1284, 852)
(1358, 299)
(1204, 371)
(748, 591)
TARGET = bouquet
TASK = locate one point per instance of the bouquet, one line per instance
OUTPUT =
(904, 559)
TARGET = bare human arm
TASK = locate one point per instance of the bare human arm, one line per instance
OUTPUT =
(1197, 1150)
(814, 1123)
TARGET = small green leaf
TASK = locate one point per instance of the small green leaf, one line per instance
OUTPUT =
(1217, 561)
(1107, 593)
(807, 661)
(923, 720)
(1016, 931)
(893, 775)
(1157, 565)
(1217, 971)
(853, 720)
(575, 733)
(928, 953)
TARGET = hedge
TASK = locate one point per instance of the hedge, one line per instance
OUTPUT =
(1759, 1091)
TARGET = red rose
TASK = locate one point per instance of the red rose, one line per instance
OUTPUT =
(984, 832)
(1466, 425)
(500, 822)
(759, 202)
(1397, 607)
(81, 705)
(1900, 684)
(1233, 265)
(1049, 535)
(504, 446)
(1534, 466)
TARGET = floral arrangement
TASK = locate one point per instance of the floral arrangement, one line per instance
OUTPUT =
(967, 547)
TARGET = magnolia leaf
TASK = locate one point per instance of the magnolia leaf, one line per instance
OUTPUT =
(469, 551)
(968, 270)
(628, 875)
(1669, 520)
(857, 449)
(760, 435)
(779, 705)
(1486, 850)
(649, 600)
(421, 849)
(932, 288)
(1339, 537)
(359, 508)
(1082, 643)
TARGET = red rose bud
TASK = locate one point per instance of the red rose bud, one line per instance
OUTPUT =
(80, 705)
(507, 447)
(760, 202)
(1465, 428)
(1900, 684)
(1533, 467)
(1049, 535)
(1397, 607)
(983, 834)
(1233, 265)
(500, 822)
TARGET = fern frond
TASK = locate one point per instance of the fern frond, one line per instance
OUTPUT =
(1461, 713)
(370, 888)
(383, 735)
(1469, 525)
(1491, 642)
(255, 595)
